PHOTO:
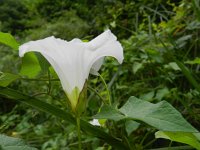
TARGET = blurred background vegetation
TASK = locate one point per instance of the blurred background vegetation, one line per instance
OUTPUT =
(156, 36)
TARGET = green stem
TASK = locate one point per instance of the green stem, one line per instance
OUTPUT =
(78, 131)
(107, 90)
(93, 90)
(49, 85)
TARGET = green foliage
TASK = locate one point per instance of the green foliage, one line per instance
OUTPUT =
(161, 68)
(161, 116)
(13, 16)
(183, 137)
(7, 78)
(67, 26)
(131, 126)
(8, 143)
(30, 65)
(51, 9)
(8, 40)
(12, 94)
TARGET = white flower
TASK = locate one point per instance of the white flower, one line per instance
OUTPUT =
(95, 122)
(74, 60)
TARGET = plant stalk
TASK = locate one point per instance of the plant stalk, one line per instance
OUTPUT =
(79, 132)
(107, 90)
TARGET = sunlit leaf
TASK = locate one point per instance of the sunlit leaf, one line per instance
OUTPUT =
(197, 135)
(30, 65)
(182, 137)
(9, 40)
(195, 61)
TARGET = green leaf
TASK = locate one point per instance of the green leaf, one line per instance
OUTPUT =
(188, 74)
(7, 78)
(30, 65)
(162, 115)
(33, 64)
(193, 25)
(45, 107)
(8, 40)
(182, 137)
(172, 65)
(148, 96)
(131, 126)
(195, 61)
(10, 143)
(137, 66)
(197, 135)
(108, 112)
(183, 40)
(162, 93)
(44, 64)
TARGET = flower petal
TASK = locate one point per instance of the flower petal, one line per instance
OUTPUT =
(63, 56)
(103, 45)
(101, 39)
(96, 66)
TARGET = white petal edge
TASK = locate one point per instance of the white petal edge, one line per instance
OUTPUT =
(105, 44)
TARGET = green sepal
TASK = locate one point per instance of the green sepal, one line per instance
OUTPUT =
(73, 98)
(82, 101)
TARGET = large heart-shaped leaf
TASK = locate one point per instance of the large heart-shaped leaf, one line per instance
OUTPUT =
(162, 115)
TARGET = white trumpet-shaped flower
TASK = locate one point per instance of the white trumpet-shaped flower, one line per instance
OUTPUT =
(74, 60)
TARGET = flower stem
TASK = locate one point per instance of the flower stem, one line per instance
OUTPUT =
(93, 90)
(79, 132)
(109, 100)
